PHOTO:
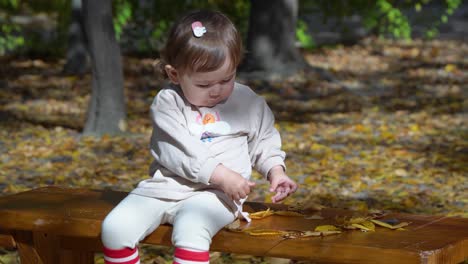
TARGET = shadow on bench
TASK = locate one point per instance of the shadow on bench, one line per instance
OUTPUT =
(62, 225)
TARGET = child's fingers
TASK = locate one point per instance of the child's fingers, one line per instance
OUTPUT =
(294, 187)
(274, 185)
(283, 192)
(290, 187)
(279, 196)
(274, 189)
(274, 199)
(279, 189)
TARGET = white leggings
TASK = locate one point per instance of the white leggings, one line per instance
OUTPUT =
(195, 220)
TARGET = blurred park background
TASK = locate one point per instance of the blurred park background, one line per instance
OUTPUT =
(370, 97)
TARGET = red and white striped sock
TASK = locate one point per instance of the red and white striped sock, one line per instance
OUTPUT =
(121, 256)
(185, 256)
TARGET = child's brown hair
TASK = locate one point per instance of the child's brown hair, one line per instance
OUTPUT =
(188, 53)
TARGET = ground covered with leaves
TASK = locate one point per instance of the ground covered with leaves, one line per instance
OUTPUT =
(389, 132)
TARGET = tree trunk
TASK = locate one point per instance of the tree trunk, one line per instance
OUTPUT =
(77, 53)
(271, 38)
(106, 110)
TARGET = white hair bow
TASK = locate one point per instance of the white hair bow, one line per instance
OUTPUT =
(198, 29)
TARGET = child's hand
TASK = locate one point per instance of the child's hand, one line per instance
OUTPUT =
(232, 183)
(281, 184)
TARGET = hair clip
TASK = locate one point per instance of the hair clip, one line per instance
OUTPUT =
(198, 29)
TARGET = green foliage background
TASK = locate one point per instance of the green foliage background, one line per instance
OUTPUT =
(142, 29)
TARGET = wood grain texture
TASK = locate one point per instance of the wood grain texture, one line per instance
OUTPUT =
(73, 217)
(6, 240)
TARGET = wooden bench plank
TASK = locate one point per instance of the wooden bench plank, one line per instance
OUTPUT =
(75, 217)
(6, 240)
(45, 248)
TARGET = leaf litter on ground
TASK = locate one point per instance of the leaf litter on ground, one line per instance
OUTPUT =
(391, 134)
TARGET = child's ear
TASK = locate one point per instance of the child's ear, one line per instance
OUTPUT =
(172, 74)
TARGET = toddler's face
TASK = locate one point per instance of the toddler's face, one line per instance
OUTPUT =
(208, 88)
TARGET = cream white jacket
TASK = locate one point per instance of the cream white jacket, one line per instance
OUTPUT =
(188, 142)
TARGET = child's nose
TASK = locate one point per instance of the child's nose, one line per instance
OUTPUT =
(216, 90)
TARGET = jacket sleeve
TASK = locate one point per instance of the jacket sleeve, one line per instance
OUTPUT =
(174, 148)
(264, 140)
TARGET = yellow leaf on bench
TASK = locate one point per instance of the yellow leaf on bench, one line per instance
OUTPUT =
(310, 234)
(329, 233)
(305, 234)
(393, 227)
(324, 228)
(357, 220)
(292, 235)
(365, 226)
(264, 232)
(261, 214)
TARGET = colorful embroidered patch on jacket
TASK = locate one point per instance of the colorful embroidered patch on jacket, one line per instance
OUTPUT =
(209, 126)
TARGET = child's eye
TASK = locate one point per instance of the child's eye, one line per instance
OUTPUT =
(203, 85)
(227, 80)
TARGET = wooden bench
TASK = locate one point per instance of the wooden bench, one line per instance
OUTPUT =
(61, 225)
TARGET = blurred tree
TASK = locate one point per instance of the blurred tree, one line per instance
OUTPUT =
(106, 110)
(142, 24)
(77, 53)
(271, 38)
(9, 39)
